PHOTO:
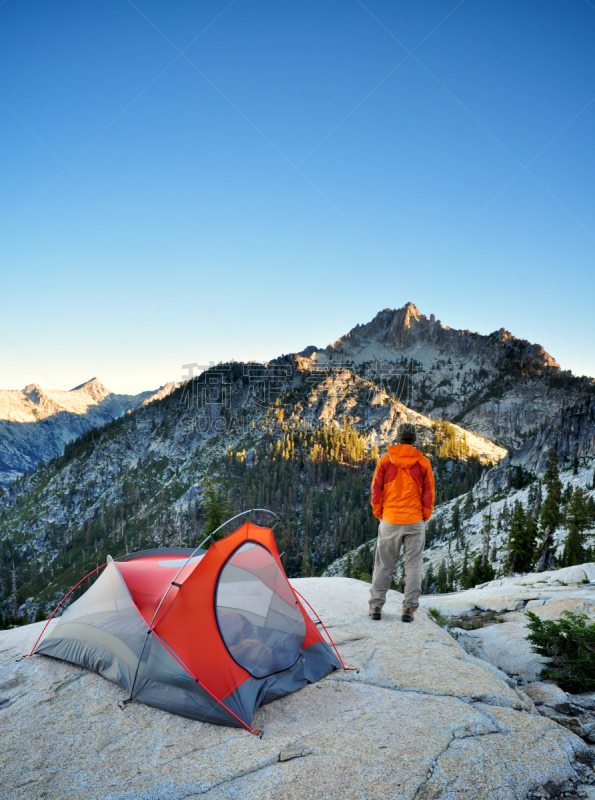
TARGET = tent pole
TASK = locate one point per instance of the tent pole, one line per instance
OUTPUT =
(322, 623)
(210, 536)
(255, 731)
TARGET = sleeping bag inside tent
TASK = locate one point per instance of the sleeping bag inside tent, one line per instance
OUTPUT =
(230, 635)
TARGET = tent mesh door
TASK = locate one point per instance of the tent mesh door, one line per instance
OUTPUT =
(258, 615)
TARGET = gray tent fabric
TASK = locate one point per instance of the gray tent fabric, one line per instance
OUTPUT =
(104, 632)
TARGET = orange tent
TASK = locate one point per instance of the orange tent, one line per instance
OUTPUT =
(211, 639)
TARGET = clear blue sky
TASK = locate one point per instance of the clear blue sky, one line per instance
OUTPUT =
(298, 169)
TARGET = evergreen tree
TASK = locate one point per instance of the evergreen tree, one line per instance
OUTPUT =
(468, 508)
(451, 576)
(465, 569)
(430, 530)
(538, 500)
(550, 516)
(505, 515)
(567, 494)
(517, 478)
(428, 580)
(577, 520)
(534, 499)
(481, 573)
(348, 566)
(532, 534)
(442, 578)
(575, 465)
(215, 508)
(455, 519)
(521, 540)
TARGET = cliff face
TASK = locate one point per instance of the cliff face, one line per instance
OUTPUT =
(571, 433)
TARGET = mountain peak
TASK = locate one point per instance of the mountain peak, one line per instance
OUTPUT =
(94, 388)
(34, 392)
(396, 332)
(411, 308)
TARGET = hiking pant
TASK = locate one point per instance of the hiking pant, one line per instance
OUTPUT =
(390, 540)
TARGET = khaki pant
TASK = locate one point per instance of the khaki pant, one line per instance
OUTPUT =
(390, 540)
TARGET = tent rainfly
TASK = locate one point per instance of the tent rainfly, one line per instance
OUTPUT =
(225, 636)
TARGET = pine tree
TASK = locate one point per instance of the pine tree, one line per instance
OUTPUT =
(215, 508)
(550, 516)
(538, 502)
(428, 580)
(481, 573)
(516, 540)
(442, 578)
(455, 519)
(348, 566)
(577, 520)
(575, 465)
(532, 534)
(465, 569)
(574, 548)
(468, 507)
(521, 540)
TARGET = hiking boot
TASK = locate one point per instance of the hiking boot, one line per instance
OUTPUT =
(376, 613)
(407, 615)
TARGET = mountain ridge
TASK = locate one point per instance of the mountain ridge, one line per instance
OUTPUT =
(36, 423)
(408, 327)
(501, 386)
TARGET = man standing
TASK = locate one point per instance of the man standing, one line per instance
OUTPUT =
(402, 499)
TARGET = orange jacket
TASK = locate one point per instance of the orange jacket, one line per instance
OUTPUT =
(403, 486)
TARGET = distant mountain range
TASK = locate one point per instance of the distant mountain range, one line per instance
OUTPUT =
(36, 423)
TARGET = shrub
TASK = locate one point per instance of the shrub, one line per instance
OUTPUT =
(439, 618)
(569, 644)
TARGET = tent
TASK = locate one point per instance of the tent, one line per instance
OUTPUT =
(208, 635)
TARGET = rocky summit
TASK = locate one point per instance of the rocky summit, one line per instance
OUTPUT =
(420, 719)
(498, 385)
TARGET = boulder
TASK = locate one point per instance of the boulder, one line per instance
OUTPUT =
(585, 700)
(421, 719)
(545, 693)
(554, 607)
(506, 647)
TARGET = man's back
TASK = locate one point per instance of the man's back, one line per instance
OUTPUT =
(403, 486)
